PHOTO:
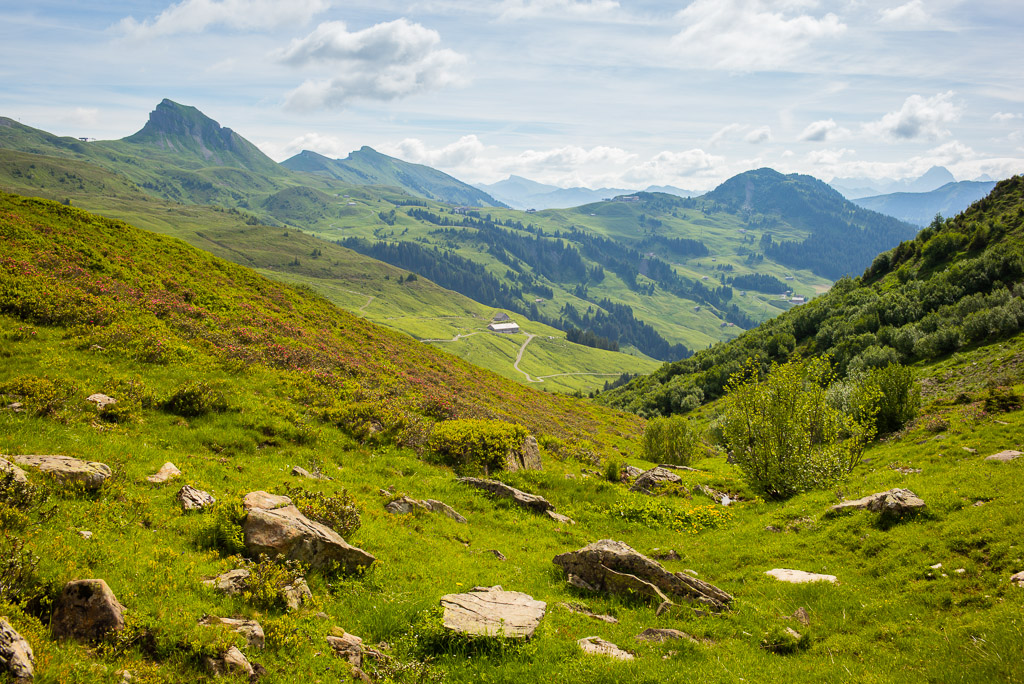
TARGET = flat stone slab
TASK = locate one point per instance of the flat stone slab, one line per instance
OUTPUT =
(287, 532)
(168, 471)
(799, 576)
(68, 470)
(532, 502)
(16, 657)
(1005, 456)
(891, 501)
(615, 567)
(597, 646)
(265, 501)
(658, 635)
(490, 611)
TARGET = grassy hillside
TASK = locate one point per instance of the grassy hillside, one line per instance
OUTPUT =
(955, 286)
(88, 304)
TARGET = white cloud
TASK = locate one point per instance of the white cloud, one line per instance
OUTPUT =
(666, 168)
(460, 153)
(327, 145)
(383, 62)
(750, 35)
(759, 135)
(195, 16)
(905, 16)
(1005, 117)
(826, 129)
(724, 132)
(828, 157)
(83, 117)
(531, 9)
(918, 118)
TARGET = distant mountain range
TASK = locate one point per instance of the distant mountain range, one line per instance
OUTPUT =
(523, 193)
(920, 208)
(855, 188)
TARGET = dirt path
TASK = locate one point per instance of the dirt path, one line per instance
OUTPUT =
(457, 337)
(519, 357)
(368, 302)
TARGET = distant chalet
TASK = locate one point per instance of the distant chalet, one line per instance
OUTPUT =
(504, 327)
(501, 317)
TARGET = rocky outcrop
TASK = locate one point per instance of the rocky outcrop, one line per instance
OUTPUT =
(597, 646)
(406, 505)
(86, 610)
(1005, 456)
(654, 479)
(490, 611)
(265, 501)
(895, 501)
(658, 635)
(628, 473)
(168, 471)
(8, 469)
(250, 629)
(347, 646)
(613, 566)
(16, 657)
(192, 499)
(69, 471)
(531, 502)
(799, 576)
(231, 661)
(287, 532)
(526, 457)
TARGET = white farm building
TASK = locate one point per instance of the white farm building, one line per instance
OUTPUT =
(509, 327)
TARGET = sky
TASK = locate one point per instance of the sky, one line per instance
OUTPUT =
(594, 93)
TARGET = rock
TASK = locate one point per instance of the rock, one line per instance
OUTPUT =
(444, 509)
(168, 471)
(583, 610)
(801, 616)
(1005, 456)
(231, 582)
(85, 534)
(404, 506)
(231, 661)
(668, 555)
(597, 646)
(605, 565)
(264, 501)
(799, 576)
(287, 532)
(685, 469)
(905, 470)
(8, 469)
(628, 472)
(493, 612)
(969, 450)
(579, 583)
(192, 499)
(67, 470)
(299, 471)
(532, 502)
(1017, 579)
(86, 610)
(653, 479)
(102, 401)
(896, 501)
(296, 594)
(250, 629)
(16, 406)
(497, 554)
(715, 495)
(16, 657)
(347, 646)
(525, 458)
(659, 635)
(558, 517)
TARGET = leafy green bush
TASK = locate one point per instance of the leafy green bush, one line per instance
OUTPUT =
(337, 511)
(43, 396)
(223, 530)
(892, 395)
(267, 579)
(193, 399)
(673, 440)
(475, 445)
(785, 436)
(19, 580)
(657, 513)
(1000, 399)
(580, 450)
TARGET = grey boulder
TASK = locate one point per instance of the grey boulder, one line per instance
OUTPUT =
(531, 502)
(16, 657)
(287, 532)
(69, 471)
(650, 481)
(896, 501)
(86, 610)
(491, 611)
(192, 499)
(597, 646)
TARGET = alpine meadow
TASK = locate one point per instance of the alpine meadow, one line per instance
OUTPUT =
(577, 341)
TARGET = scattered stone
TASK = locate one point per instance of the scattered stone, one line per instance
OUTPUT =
(653, 479)
(287, 532)
(231, 582)
(660, 635)
(230, 662)
(583, 610)
(68, 470)
(527, 458)
(685, 469)
(1005, 456)
(16, 473)
(444, 509)
(715, 495)
(489, 611)
(102, 401)
(799, 576)
(250, 629)
(772, 528)
(667, 555)
(936, 566)
(264, 501)
(86, 610)
(979, 502)
(532, 502)
(896, 501)
(406, 505)
(597, 646)
(168, 471)
(628, 472)
(1017, 579)
(801, 616)
(969, 450)
(497, 554)
(558, 517)
(299, 471)
(16, 657)
(905, 470)
(347, 646)
(613, 566)
(16, 406)
(960, 571)
(85, 534)
(296, 594)
(192, 499)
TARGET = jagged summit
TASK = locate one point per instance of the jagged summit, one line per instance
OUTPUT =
(189, 133)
